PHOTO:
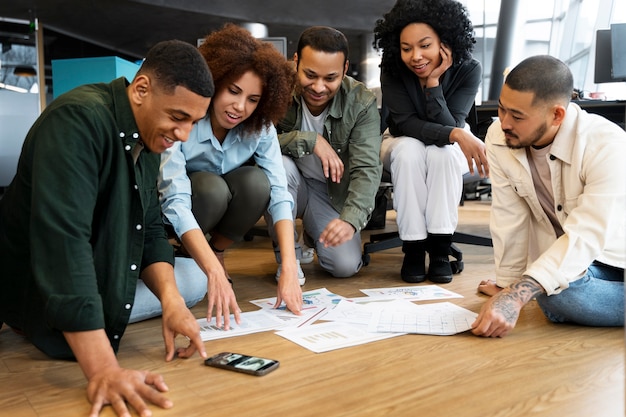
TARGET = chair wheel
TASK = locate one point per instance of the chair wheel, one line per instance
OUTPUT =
(366, 259)
(457, 266)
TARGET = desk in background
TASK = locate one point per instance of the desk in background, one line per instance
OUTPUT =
(614, 111)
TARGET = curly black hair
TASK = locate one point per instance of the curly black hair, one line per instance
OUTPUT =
(448, 18)
(232, 51)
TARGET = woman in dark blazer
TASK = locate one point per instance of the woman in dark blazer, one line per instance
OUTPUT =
(429, 82)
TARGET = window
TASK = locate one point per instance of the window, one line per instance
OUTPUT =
(562, 28)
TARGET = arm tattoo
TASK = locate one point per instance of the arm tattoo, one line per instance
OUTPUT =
(525, 289)
(510, 301)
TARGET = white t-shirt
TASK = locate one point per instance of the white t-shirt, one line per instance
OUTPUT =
(311, 166)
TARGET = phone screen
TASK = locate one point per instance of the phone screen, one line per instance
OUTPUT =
(253, 365)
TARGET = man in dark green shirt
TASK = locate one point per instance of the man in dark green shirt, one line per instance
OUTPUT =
(81, 222)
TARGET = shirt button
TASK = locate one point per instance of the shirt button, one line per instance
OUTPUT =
(127, 147)
(127, 306)
(135, 135)
(138, 227)
(559, 207)
(116, 336)
(133, 267)
(136, 187)
(122, 134)
(552, 157)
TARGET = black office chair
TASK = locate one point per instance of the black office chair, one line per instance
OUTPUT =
(383, 241)
(474, 187)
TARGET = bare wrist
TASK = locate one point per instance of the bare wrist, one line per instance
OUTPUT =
(456, 135)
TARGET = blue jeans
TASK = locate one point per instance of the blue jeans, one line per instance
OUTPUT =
(191, 283)
(596, 299)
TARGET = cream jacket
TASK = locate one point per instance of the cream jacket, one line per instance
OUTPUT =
(588, 168)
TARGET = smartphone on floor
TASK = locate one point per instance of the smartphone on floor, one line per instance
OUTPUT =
(237, 362)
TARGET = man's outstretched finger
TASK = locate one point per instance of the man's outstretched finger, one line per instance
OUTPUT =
(96, 405)
(157, 381)
(119, 405)
(195, 343)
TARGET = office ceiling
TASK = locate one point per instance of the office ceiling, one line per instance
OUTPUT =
(128, 28)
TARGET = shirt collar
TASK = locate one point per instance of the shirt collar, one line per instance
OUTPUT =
(563, 144)
(127, 126)
(203, 132)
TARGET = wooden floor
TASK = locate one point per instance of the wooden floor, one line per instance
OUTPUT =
(541, 369)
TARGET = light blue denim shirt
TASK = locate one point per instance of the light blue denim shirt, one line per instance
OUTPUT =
(203, 152)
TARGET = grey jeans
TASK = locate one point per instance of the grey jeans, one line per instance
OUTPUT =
(313, 206)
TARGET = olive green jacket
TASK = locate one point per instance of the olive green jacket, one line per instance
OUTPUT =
(352, 127)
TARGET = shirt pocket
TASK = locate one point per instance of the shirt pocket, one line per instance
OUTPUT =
(569, 205)
(339, 137)
(525, 190)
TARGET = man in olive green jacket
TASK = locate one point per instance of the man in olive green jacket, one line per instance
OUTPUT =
(330, 139)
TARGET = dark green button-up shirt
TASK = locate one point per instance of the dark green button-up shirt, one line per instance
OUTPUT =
(79, 221)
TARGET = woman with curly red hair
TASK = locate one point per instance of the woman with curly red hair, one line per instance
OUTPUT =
(230, 171)
(429, 82)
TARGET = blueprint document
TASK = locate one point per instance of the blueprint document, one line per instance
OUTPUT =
(361, 309)
(440, 319)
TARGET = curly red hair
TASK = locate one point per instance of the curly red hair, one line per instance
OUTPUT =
(232, 51)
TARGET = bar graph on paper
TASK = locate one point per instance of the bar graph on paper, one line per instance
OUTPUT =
(324, 337)
(332, 335)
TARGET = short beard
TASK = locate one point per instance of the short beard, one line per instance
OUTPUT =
(534, 138)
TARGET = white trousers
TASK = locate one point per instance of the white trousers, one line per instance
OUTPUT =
(427, 185)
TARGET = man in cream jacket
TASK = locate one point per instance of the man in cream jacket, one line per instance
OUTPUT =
(558, 215)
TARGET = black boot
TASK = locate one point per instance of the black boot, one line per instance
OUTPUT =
(439, 269)
(414, 263)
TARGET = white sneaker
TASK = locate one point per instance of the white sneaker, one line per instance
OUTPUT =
(307, 251)
(301, 278)
(307, 255)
